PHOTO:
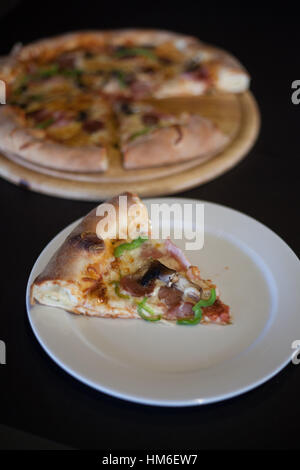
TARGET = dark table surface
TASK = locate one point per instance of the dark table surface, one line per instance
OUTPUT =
(36, 395)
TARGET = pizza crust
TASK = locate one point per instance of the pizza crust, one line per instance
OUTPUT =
(16, 139)
(63, 282)
(50, 47)
(199, 137)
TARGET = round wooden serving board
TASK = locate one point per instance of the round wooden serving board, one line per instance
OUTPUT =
(236, 115)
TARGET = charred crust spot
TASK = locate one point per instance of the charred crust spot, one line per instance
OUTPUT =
(87, 241)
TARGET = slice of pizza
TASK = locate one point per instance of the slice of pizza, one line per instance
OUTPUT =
(151, 137)
(126, 277)
(202, 69)
(55, 125)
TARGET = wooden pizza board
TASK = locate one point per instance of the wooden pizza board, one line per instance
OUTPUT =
(236, 115)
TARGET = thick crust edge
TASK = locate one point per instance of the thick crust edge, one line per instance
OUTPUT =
(198, 138)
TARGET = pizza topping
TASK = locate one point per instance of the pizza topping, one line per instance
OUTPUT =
(145, 119)
(207, 302)
(47, 71)
(125, 108)
(82, 115)
(150, 315)
(157, 270)
(193, 274)
(67, 60)
(91, 125)
(202, 73)
(124, 78)
(218, 312)
(44, 124)
(177, 254)
(178, 294)
(139, 133)
(185, 315)
(198, 72)
(56, 69)
(97, 291)
(191, 292)
(198, 310)
(150, 251)
(170, 295)
(150, 119)
(117, 291)
(73, 73)
(122, 52)
(139, 88)
(165, 60)
(40, 115)
(131, 283)
(66, 114)
(191, 66)
(147, 69)
(22, 84)
(129, 246)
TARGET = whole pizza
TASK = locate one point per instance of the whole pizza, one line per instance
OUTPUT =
(74, 98)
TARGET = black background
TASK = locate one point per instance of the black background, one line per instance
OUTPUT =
(36, 395)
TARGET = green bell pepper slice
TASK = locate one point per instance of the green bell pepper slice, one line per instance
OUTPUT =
(143, 131)
(49, 71)
(208, 302)
(117, 290)
(143, 306)
(119, 250)
(44, 124)
(135, 51)
(198, 310)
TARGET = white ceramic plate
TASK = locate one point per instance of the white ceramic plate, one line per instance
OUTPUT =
(154, 363)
